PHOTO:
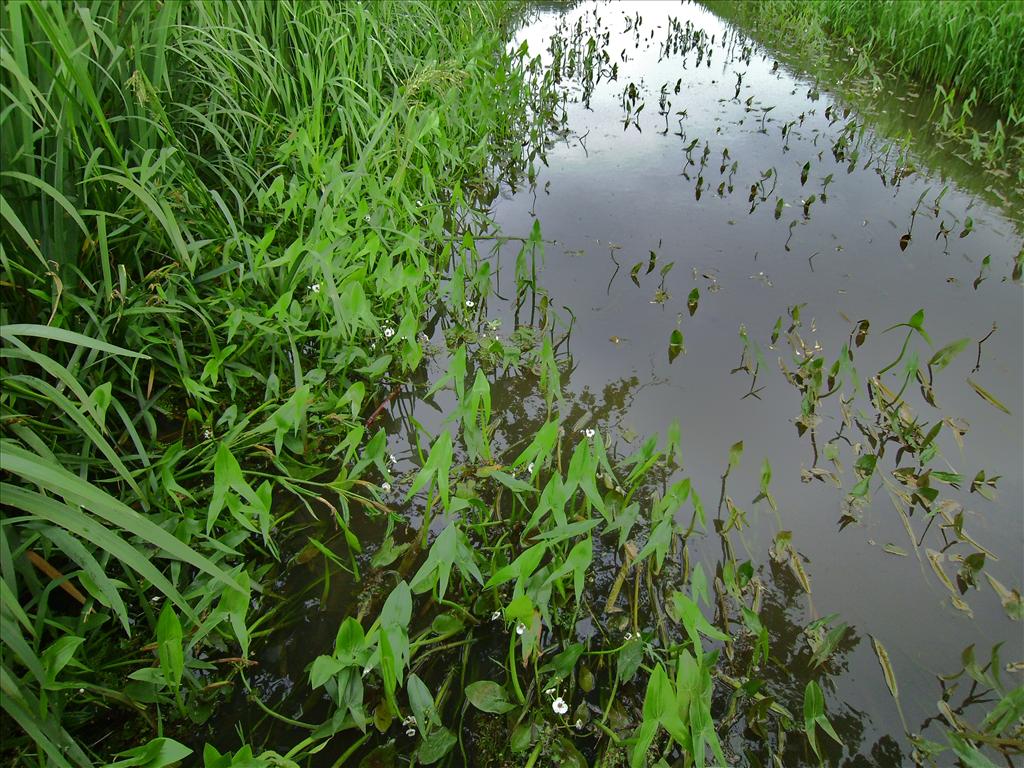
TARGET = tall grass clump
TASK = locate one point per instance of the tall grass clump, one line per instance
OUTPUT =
(962, 45)
(224, 224)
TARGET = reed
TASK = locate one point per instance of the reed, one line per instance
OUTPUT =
(959, 44)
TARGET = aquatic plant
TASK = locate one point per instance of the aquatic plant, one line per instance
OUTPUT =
(234, 234)
(224, 227)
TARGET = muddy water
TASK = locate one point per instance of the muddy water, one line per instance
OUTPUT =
(620, 189)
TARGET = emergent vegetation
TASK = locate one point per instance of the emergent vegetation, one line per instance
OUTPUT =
(224, 226)
(967, 52)
(963, 46)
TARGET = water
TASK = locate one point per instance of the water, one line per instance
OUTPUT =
(606, 199)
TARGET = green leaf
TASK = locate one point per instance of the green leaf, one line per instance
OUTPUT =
(158, 753)
(693, 620)
(17, 330)
(987, 396)
(944, 356)
(397, 609)
(169, 645)
(323, 669)
(629, 659)
(522, 737)
(814, 706)
(436, 745)
(422, 704)
(887, 670)
(675, 345)
(512, 483)
(488, 696)
(734, 455)
(57, 656)
(75, 490)
(967, 752)
(88, 529)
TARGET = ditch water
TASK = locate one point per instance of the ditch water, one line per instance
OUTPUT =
(710, 190)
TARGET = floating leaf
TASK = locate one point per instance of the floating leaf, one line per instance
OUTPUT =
(675, 345)
(799, 572)
(862, 332)
(735, 452)
(1010, 598)
(887, 671)
(692, 301)
(986, 266)
(944, 356)
(986, 395)
(634, 272)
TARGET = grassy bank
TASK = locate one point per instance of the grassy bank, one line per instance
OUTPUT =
(224, 227)
(964, 47)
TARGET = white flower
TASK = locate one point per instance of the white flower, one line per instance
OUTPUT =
(529, 467)
(589, 433)
(629, 635)
(367, 217)
(410, 720)
(386, 487)
(549, 692)
(470, 303)
(559, 706)
(207, 434)
(496, 615)
(410, 732)
(419, 203)
(388, 332)
(315, 288)
(579, 725)
(520, 628)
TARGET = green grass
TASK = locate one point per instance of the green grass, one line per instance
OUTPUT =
(961, 45)
(224, 227)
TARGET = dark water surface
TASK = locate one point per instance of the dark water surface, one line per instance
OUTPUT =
(609, 196)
